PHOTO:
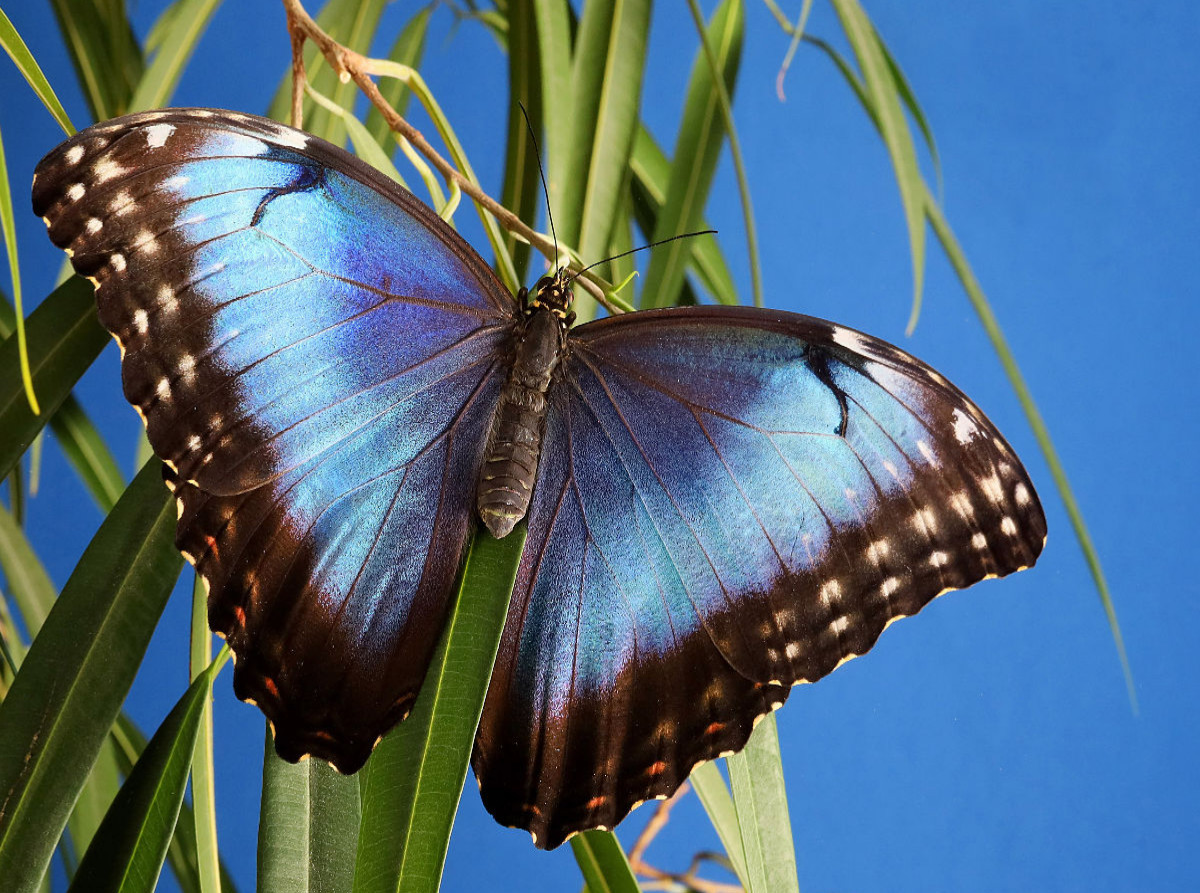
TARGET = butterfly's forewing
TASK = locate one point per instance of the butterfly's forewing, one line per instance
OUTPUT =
(730, 501)
(315, 355)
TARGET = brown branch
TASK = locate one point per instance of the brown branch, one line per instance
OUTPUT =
(350, 65)
(664, 880)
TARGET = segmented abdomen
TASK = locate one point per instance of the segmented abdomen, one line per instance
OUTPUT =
(515, 440)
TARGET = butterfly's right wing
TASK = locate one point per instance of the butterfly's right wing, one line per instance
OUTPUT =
(316, 356)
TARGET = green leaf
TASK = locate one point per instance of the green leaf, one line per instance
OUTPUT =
(64, 338)
(32, 72)
(308, 827)
(414, 779)
(407, 50)
(82, 444)
(651, 172)
(9, 232)
(522, 185)
(187, 21)
(129, 742)
(104, 51)
(602, 863)
(128, 850)
(885, 98)
(78, 671)
(697, 149)
(606, 85)
(88, 454)
(204, 805)
(718, 803)
(756, 775)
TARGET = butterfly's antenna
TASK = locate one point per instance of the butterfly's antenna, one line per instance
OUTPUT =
(537, 154)
(703, 232)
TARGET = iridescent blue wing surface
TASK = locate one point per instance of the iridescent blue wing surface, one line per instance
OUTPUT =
(316, 356)
(730, 501)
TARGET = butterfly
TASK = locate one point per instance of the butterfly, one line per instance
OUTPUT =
(721, 502)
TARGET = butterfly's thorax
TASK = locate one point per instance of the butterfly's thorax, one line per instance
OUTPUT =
(515, 441)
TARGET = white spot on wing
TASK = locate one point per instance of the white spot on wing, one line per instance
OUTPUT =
(1021, 495)
(926, 452)
(965, 429)
(93, 225)
(141, 321)
(164, 389)
(979, 541)
(286, 136)
(75, 191)
(73, 154)
(118, 261)
(992, 489)
(890, 585)
(1009, 526)
(106, 170)
(158, 134)
(939, 559)
(166, 298)
(193, 443)
(831, 592)
(850, 340)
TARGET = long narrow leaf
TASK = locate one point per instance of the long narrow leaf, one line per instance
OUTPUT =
(651, 174)
(129, 742)
(89, 455)
(407, 50)
(308, 827)
(522, 185)
(697, 148)
(606, 84)
(756, 776)
(9, 233)
(77, 673)
(714, 794)
(82, 444)
(204, 805)
(893, 127)
(415, 777)
(188, 19)
(128, 851)
(602, 863)
(104, 50)
(12, 43)
(64, 338)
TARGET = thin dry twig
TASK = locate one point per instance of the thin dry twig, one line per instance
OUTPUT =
(352, 66)
(666, 880)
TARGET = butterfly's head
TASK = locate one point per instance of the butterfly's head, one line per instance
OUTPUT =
(554, 293)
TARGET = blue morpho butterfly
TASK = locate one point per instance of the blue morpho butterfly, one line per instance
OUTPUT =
(722, 501)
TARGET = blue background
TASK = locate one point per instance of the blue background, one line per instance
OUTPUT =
(989, 744)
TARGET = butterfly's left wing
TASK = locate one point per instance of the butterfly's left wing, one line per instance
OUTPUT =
(316, 356)
(730, 501)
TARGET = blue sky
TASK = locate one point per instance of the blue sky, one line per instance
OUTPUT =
(988, 744)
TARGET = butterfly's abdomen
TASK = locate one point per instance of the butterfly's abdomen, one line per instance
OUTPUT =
(515, 441)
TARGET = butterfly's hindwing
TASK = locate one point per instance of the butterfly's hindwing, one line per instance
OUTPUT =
(730, 502)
